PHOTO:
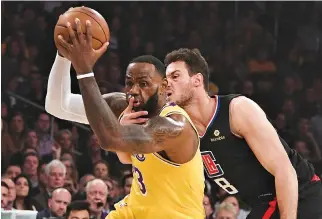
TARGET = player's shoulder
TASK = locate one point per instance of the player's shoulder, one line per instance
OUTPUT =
(244, 108)
(117, 101)
(175, 112)
(171, 108)
(242, 103)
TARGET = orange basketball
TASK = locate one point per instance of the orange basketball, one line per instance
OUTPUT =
(100, 30)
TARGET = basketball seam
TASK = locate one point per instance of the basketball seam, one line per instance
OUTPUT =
(92, 18)
(75, 30)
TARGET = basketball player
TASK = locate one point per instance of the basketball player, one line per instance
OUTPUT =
(241, 150)
(166, 160)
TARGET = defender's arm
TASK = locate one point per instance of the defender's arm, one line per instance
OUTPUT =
(249, 121)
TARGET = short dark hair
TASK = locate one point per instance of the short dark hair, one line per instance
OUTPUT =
(29, 154)
(78, 205)
(4, 184)
(125, 177)
(195, 62)
(101, 162)
(151, 60)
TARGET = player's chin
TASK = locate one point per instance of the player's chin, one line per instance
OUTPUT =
(172, 98)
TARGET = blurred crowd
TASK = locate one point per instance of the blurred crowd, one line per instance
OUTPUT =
(268, 51)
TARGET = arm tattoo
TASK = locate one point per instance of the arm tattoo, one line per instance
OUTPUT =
(131, 138)
(149, 138)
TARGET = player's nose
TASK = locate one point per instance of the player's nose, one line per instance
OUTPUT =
(134, 90)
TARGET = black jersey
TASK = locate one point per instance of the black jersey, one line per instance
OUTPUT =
(230, 162)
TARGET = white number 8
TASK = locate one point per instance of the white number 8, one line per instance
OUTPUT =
(225, 185)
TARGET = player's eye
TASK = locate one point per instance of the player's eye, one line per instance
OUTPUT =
(143, 84)
(175, 76)
(129, 84)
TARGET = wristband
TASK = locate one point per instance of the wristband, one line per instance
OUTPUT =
(88, 75)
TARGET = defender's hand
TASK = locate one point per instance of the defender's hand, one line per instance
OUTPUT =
(131, 117)
(80, 52)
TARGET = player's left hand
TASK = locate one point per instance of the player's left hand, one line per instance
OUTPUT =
(130, 117)
(80, 52)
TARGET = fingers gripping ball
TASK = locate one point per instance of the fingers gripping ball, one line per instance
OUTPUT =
(100, 30)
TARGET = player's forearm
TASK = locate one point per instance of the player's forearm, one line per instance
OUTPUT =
(60, 67)
(287, 192)
(100, 116)
(60, 102)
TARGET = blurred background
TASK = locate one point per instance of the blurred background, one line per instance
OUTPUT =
(268, 51)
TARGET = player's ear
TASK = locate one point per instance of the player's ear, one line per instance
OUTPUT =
(164, 84)
(197, 80)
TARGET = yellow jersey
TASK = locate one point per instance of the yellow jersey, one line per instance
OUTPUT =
(162, 189)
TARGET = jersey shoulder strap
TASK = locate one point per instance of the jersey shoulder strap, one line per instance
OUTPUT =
(172, 108)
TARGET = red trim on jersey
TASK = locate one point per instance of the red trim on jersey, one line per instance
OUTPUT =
(213, 116)
(315, 178)
(270, 210)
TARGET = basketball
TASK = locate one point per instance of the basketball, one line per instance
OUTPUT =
(100, 29)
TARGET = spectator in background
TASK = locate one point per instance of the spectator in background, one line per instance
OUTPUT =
(57, 204)
(12, 171)
(56, 172)
(64, 139)
(304, 133)
(71, 179)
(7, 146)
(288, 108)
(23, 195)
(17, 130)
(209, 206)
(31, 140)
(226, 211)
(30, 167)
(241, 214)
(127, 183)
(42, 179)
(281, 128)
(78, 210)
(309, 106)
(101, 169)
(42, 129)
(4, 194)
(94, 154)
(11, 192)
(248, 89)
(81, 194)
(96, 193)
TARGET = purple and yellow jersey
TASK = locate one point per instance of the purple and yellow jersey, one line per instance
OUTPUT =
(163, 189)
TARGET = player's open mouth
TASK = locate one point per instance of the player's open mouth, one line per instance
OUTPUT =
(169, 93)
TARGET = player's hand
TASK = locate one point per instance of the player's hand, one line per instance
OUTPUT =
(80, 52)
(131, 117)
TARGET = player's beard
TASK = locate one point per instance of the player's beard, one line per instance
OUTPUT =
(185, 96)
(151, 104)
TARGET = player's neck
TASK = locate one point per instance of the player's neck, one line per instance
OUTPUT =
(201, 110)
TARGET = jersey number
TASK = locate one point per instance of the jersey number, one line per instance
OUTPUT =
(214, 170)
(225, 185)
(140, 180)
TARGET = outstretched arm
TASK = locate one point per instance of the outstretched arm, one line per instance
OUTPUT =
(63, 104)
(267, 147)
(60, 102)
